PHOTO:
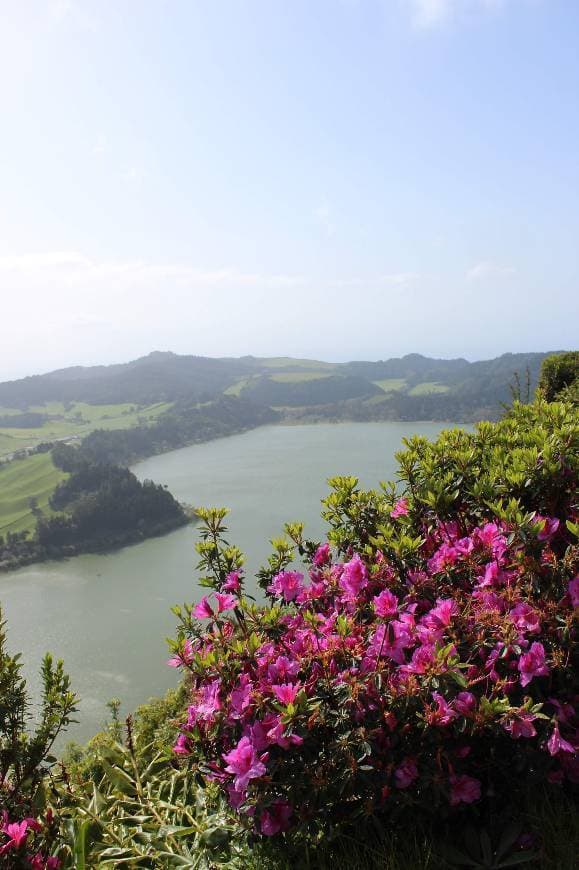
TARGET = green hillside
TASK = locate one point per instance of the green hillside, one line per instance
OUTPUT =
(34, 477)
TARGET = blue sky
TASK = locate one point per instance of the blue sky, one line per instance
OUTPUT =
(331, 178)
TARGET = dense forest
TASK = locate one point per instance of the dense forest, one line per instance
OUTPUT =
(182, 425)
(97, 507)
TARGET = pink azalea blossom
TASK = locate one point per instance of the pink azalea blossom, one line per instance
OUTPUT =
(184, 657)
(406, 773)
(400, 509)
(440, 616)
(322, 555)
(287, 583)
(276, 819)
(225, 602)
(241, 696)
(232, 582)
(525, 618)
(244, 763)
(386, 604)
(17, 832)
(573, 591)
(464, 789)
(521, 725)
(465, 703)
(548, 527)
(556, 744)
(282, 668)
(203, 609)
(533, 664)
(443, 714)
(209, 704)
(286, 692)
(181, 747)
(354, 578)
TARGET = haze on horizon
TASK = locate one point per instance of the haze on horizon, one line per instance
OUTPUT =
(339, 179)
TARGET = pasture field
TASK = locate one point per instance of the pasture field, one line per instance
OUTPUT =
(286, 362)
(297, 377)
(75, 419)
(23, 479)
(391, 385)
(427, 388)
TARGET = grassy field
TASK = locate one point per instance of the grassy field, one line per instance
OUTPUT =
(391, 385)
(75, 419)
(427, 388)
(23, 479)
(297, 377)
(282, 362)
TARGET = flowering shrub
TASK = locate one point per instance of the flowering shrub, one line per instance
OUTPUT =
(427, 658)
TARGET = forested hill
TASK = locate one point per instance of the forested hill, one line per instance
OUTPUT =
(168, 377)
(163, 400)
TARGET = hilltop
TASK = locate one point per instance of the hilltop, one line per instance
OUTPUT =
(72, 402)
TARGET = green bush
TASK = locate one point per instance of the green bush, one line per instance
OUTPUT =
(559, 377)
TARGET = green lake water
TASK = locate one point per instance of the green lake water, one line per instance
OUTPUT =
(108, 616)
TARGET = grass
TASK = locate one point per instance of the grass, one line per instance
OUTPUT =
(427, 388)
(236, 388)
(281, 362)
(23, 479)
(391, 385)
(297, 377)
(76, 419)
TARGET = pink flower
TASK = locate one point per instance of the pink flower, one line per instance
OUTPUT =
(521, 725)
(440, 616)
(400, 509)
(465, 703)
(386, 604)
(181, 747)
(406, 773)
(232, 582)
(464, 789)
(225, 602)
(525, 618)
(16, 832)
(184, 657)
(443, 714)
(286, 583)
(322, 555)
(556, 744)
(209, 704)
(573, 591)
(282, 668)
(241, 696)
(548, 527)
(203, 609)
(244, 763)
(276, 818)
(494, 575)
(286, 692)
(354, 578)
(532, 664)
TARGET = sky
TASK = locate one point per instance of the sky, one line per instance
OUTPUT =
(338, 179)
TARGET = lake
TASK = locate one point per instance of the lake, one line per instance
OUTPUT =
(108, 616)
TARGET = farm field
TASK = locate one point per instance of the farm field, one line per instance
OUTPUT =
(74, 419)
(391, 385)
(21, 480)
(427, 388)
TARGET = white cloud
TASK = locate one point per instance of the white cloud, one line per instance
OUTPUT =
(428, 14)
(487, 270)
